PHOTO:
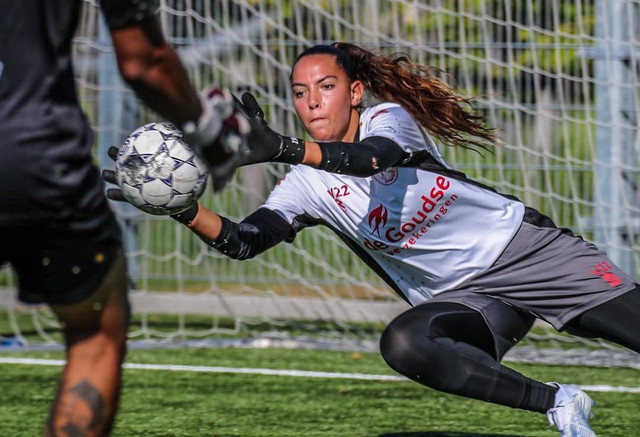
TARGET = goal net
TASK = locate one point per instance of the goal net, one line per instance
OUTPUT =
(558, 78)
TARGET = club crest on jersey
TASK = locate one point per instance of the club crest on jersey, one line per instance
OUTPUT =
(386, 177)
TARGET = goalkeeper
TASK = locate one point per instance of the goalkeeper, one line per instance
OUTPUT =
(476, 266)
(56, 228)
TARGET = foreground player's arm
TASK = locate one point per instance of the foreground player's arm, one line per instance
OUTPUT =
(258, 232)
(154, 71)
(363, 158)
(152, 68)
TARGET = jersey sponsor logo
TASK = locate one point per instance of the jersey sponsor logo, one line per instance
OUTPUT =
(337, 193)
(386, 177)
(434, 206)
(603, 269)
(378, 218)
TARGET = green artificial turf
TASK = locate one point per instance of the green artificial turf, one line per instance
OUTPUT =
(172, 403)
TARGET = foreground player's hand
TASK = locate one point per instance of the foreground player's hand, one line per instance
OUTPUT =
(219, 137)
(264, 144)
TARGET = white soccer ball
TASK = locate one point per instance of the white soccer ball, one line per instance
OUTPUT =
(158, 172)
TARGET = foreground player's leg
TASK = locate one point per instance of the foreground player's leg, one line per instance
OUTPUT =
(95, 333)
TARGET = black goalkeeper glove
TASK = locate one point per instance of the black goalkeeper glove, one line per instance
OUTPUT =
(110, 177)
(263, 143)
(184, 217)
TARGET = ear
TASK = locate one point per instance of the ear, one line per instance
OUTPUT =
(357, 91)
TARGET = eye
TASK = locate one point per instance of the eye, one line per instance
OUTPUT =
(328, 86)
(298, 94)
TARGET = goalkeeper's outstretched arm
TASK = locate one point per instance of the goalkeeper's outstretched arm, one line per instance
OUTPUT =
(258, 232)
(361, 158)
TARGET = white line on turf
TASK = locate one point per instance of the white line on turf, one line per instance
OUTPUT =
(274, 372)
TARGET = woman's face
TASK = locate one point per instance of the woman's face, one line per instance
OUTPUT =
(324, 99)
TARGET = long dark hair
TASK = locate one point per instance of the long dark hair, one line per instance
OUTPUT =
(420, 89)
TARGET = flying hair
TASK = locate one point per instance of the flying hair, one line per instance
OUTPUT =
(420, 89)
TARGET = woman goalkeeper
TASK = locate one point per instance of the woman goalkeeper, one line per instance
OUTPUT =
(476, 266)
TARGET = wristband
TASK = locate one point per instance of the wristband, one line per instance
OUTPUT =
(186, 217)
(292, 150)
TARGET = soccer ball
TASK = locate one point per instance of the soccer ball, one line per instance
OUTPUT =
(158, 172)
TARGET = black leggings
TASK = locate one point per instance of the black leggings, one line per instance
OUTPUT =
(449, 347)
(617, 320)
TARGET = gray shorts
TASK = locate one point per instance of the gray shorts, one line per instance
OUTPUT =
(547, 272)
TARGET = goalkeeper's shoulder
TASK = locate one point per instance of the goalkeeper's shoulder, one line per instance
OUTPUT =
(380, 109)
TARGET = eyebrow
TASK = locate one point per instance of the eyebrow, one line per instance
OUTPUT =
(328, 76)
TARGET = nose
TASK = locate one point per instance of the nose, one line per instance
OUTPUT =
(314, 100)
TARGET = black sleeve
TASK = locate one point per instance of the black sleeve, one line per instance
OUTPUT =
(258, 232)
(361, 159)
(121, 13)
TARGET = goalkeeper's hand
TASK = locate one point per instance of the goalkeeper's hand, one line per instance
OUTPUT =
(263, 143)
(219, 137)
(109, 176)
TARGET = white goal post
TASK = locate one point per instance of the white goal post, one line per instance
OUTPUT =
(558, 78)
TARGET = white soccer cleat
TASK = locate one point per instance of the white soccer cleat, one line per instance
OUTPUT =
(571, 411)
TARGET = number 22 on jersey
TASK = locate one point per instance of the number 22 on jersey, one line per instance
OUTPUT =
(337, 193)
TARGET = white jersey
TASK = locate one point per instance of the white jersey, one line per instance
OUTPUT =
(425, 232)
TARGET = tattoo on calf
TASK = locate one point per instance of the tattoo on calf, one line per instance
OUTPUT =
(81, 408)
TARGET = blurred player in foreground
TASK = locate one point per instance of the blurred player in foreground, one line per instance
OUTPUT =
(477, 267)
(56, 228)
